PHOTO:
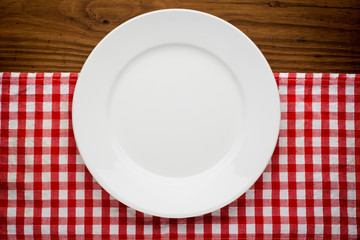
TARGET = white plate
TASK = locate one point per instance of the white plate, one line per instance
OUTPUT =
(176, 113)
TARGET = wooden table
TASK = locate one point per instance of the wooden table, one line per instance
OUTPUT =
(295, 36)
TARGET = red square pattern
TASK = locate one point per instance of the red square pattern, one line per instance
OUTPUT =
(310, 189)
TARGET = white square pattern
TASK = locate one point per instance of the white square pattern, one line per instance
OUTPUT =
(288, 187)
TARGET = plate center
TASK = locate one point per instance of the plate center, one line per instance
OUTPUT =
(175, 110)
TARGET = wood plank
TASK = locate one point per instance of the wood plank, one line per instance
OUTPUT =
(295, 36)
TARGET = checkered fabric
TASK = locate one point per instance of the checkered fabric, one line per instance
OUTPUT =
(310, 189)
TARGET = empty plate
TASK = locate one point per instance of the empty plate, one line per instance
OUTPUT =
(176, 113)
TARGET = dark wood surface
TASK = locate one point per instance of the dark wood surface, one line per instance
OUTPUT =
(295, 36)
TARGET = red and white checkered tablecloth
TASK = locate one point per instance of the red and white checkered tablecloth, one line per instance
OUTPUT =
(310, 189)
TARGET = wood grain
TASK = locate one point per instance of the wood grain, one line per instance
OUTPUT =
(295, 36)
